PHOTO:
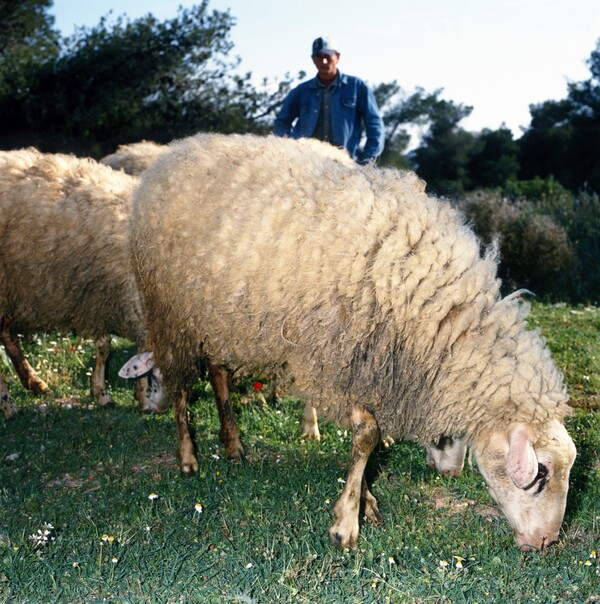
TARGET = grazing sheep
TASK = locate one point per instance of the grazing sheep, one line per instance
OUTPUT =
(259, 251)
(64, 261)
(133, 158)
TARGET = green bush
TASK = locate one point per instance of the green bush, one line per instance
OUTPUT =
(535, 251)
(549, 241)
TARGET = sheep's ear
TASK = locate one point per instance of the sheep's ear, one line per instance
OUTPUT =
(138, 365)
(522, 462)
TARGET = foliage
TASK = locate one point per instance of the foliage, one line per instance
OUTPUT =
(549, 238)
(497, 159)
(402, 111)
(563, 139)
(131, 80)
(126, 527)
(445, 154)
(27, 39)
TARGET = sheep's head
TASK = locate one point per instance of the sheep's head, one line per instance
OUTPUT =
(447, 456)
(529, 478)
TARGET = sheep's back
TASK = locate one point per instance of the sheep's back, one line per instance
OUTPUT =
(64, 260)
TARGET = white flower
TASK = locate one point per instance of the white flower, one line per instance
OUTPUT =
(152, 496)
(249, 565)
(443, 564)
(43, 536)
(198, 508)
(341, 480)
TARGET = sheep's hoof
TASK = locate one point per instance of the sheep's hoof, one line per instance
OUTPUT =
(189, 470)
(340, 540)
(235, 452)
(151, 410)
(39, 387)
(316, 435)
(387, 441)
(105, 401)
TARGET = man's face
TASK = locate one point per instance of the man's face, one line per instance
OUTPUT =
(326, 65)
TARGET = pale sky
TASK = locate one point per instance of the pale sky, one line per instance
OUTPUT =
(498, 56)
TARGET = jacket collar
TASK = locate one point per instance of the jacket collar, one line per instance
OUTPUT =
(341, 78)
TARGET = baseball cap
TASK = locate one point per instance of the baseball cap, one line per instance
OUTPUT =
(324, 46)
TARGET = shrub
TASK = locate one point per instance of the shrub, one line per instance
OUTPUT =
(536, 252)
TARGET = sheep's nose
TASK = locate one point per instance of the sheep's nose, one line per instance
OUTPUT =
(528, 543)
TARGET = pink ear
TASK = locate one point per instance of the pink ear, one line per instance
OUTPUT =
(138, 365)
(522, 463)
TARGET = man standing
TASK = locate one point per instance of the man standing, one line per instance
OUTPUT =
(333, 107)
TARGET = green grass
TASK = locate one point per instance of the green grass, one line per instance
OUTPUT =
(262, 533)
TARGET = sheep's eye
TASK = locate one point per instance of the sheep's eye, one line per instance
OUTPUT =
(542, 478)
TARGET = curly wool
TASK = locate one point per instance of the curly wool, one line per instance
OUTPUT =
(133, 158)
(258, 251)
(64, 261)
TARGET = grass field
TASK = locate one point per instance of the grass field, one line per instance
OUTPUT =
(93, 508)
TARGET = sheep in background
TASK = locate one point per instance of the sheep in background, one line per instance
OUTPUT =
(64, 262)
(258, 250)
(134, 158)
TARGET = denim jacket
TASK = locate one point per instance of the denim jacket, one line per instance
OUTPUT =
(352, 105)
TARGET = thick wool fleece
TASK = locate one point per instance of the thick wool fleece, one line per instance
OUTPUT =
(259, 251)
(64, 260)
(133, 158)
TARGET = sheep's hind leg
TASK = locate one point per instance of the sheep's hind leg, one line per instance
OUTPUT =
(27, 374)
(99, 391)
(185, 450)
(7, 404)
(310, 423)
(365, 436)
(230, 434)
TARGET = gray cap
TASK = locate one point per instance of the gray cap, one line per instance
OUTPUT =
(324, 46)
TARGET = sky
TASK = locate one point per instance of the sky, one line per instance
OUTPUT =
(498, 56)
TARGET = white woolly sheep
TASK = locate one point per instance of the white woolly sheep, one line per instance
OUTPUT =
(258, 251)
(133, 158)
(64, 260)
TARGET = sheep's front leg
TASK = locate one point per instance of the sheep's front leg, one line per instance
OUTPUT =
(99, 391)
(27, 374)
(365, 436)
(185, 450)
(230, 434)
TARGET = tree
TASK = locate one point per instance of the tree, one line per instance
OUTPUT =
(446, 151)
(497, 159)
(563, 139)
(402, 111)
(120, 83)
(27, 39)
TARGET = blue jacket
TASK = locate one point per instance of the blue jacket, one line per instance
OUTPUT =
(352, 105)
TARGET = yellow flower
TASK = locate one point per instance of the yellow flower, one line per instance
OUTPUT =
(110, 539)
(198, 508)
(105, 537)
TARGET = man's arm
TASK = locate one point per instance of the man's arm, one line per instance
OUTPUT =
(373, 126)
(290, 110)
